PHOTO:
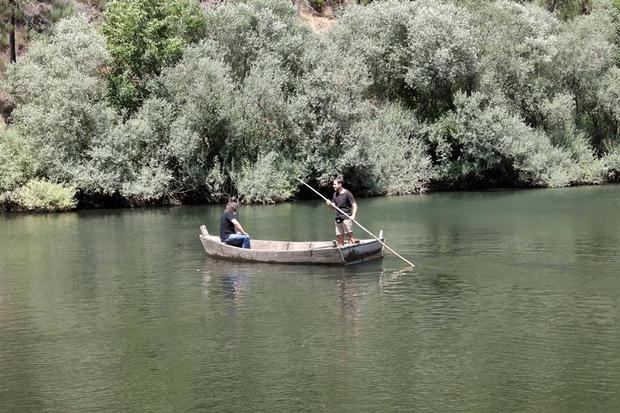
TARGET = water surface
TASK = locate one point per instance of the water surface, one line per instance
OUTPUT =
(513, 306)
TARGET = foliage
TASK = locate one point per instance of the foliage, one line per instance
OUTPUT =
(517, 47)
(482, 142)
(143, 36)
(41, 195)
(607, 112)
(17, 164)
(238, 100)
(377, 35)
(263, 112)
(442, 54)
(332, 99)
(62, 106)
(586, 52)
(270, 179)
(202, 94)
(391, 154)
(244, 30)
(611, 163)
(420, 52)
(131, 159)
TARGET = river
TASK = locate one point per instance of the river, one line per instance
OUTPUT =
(513, 306)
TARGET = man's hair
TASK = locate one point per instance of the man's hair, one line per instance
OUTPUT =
(339, 180)
(232, 206)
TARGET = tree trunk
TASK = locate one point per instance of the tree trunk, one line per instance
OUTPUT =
(12, 46)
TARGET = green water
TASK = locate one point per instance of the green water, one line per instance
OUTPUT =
(513, 307)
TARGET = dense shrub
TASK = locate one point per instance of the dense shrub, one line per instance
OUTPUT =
(176, 103)
(390, 155)
(244, 30)
(62, 107)
(482, 142)
(202, 94)
(17, 163)
(131, 159)
(263, 113)
(334, 98)
(586, 52)
(41, 195)
(517, 47)
(608, 110)
(611, 163)
(143, 36)
(442, 54)
(270, 179)
(378, 35)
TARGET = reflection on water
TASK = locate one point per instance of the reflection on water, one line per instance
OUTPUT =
(513, 306)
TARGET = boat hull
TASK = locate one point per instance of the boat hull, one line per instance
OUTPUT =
(284, 252)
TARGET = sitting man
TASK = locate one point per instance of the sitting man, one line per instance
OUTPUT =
(231, 231)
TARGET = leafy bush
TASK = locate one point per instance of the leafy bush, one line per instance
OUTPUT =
(611, 163)
(517, 47)
(482, 142)
(399, 96)
(149, 183)
(129, 154)
(17, 164)
(586, 52)
(244, 30)
(389, 154)
(608, 110)
(263, 114)
(377, 35)
(143, 36)
(442, 54)
(202, 95)
(333, 98)
(61, 96)
(270, 179)
(44, 196)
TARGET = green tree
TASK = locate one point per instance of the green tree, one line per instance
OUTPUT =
(61, 97)
(242, 31)
(377, 35)
(390, 153)
(443, 56)
(143, 36)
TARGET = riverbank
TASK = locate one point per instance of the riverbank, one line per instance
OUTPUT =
(302, 195)
(239, 99)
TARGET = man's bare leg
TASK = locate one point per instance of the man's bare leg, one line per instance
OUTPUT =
(351, 239)
(340, 239)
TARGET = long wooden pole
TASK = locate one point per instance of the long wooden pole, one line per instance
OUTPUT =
(358, 224)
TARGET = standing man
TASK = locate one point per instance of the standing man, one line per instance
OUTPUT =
(344, 200)
(231, 231)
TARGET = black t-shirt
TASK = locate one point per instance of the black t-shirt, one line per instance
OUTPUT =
(226, 225)
(344, 201)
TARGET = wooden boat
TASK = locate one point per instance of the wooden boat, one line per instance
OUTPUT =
(288, 252)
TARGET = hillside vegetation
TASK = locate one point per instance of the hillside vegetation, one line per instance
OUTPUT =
(171, 101)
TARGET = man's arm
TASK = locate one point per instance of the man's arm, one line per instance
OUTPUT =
(238, 227)
(330, 204)
(353, 210)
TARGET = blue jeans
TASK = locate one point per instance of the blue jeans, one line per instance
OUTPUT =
(238, 240)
